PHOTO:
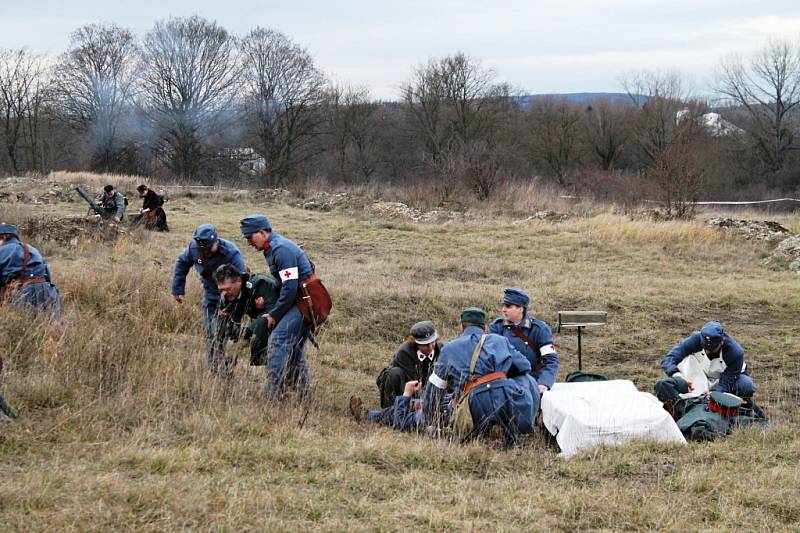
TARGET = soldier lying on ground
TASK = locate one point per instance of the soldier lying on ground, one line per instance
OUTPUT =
(243, 294)
(413, 361)
(709, 416)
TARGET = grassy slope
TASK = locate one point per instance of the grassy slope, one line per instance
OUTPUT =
(125, 430)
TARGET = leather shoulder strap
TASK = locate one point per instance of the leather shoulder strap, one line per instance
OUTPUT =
(524, 338)
(26, 256)
(475, 356)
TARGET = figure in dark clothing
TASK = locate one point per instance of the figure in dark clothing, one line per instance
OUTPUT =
(111, 204)
(244, 294)
(152, 213)
(413, 361)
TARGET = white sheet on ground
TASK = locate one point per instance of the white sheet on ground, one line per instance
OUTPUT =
(582, 415)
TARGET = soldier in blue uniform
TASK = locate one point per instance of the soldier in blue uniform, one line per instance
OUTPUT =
(725, 368)
(289, 265)
(530, 336)
(111, 203)
(502, 392)
(206, 253)
(24, 275)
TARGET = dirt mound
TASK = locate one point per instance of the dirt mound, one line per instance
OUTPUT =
(267, 195)
(550, 216)
(326, 201)
(70, 231)
(761, 230)
(35, 191)
(400, 211)
(787, 254)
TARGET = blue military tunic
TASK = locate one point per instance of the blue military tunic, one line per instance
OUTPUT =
(540, 349)
(289, 265)
(37, 296)
(286, 363)
(734, 378)
(226, 253)
(511, 402)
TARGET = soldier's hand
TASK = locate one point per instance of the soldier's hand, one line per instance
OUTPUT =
(270, 320)
(411, 388)
(223, 313)
(543, 389)
(260, 302)
(179, 298)
(684, 378)
(116, 219)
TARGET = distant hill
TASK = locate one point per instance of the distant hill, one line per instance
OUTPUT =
(578, 98)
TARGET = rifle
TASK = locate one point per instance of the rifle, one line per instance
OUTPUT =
(90, 201)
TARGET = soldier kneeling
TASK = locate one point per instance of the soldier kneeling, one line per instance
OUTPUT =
(243, 294)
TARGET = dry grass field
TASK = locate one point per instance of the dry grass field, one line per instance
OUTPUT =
(122, 428)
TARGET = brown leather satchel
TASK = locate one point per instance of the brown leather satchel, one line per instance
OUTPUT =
(314, 302)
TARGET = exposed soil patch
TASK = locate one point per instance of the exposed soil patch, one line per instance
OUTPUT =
(70, 231)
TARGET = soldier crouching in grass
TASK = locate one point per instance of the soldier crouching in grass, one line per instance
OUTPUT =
(243, 294)
(708, 391)
(111, 204)
(151, 214)
(25, 277)
(413, 361)
(206, 253)
(481, 370)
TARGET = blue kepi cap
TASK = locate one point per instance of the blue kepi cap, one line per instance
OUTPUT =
(205, 235)
(10, 229)
(711, 334)
(515, 296)
(254, 223)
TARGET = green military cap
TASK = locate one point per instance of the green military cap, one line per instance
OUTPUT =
(473, 315)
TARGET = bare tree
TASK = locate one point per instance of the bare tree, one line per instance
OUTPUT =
(555, 137)
(190, 79)
(454, 106)
(354, 123)
(94, 86)
(607, 131)
(669, 131)
(21, 96)
(286, 91)
(767, 87)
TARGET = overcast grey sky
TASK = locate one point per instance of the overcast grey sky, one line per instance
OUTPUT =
(540, 47)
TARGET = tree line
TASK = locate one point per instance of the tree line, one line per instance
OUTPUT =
(189, 100)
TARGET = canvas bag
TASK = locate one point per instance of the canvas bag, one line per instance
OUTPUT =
(461, 421)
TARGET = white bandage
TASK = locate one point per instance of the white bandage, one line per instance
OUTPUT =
(547, 349)
(437, 382)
